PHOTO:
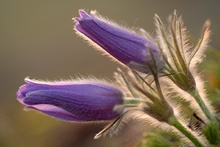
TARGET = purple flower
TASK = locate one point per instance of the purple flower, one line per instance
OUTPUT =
(72, 100)
(128, 47)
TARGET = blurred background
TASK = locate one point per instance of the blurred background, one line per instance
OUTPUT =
(37, 40)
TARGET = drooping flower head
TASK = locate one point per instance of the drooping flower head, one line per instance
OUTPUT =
(133, 50)
(72, 100)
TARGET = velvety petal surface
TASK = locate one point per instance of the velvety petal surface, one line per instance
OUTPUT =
(124, 45)
(71, 100)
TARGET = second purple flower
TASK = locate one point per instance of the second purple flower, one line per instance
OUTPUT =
(128, 47)
(80, 101)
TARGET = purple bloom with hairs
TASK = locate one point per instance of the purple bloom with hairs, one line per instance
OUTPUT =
(132, 49)
(72, 100)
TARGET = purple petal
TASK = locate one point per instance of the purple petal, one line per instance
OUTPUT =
(72, 100)
(83, 14)
(126, 46)
(54, 112)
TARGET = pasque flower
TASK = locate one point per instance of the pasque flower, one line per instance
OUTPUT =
(158, 99)
(72, 100)
(130, 48)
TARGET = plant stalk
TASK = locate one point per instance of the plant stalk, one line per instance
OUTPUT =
(175, 122)
(202, 105)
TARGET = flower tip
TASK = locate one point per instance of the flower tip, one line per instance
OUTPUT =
(83, 14)
(20, 93)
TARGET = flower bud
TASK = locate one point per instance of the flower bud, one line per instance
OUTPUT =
(72, 100)
(133, 50)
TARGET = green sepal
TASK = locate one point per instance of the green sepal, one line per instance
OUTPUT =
(211, 132)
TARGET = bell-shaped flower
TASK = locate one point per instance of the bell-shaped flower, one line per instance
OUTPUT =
(128, 47)
(72, 100)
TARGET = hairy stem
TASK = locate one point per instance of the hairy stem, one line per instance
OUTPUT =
(202, 105)
(175, 122)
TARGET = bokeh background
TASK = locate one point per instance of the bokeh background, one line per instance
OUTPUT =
(37, 40)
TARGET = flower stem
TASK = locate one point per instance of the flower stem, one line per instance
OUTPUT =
(202, 105)
(175, 122)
